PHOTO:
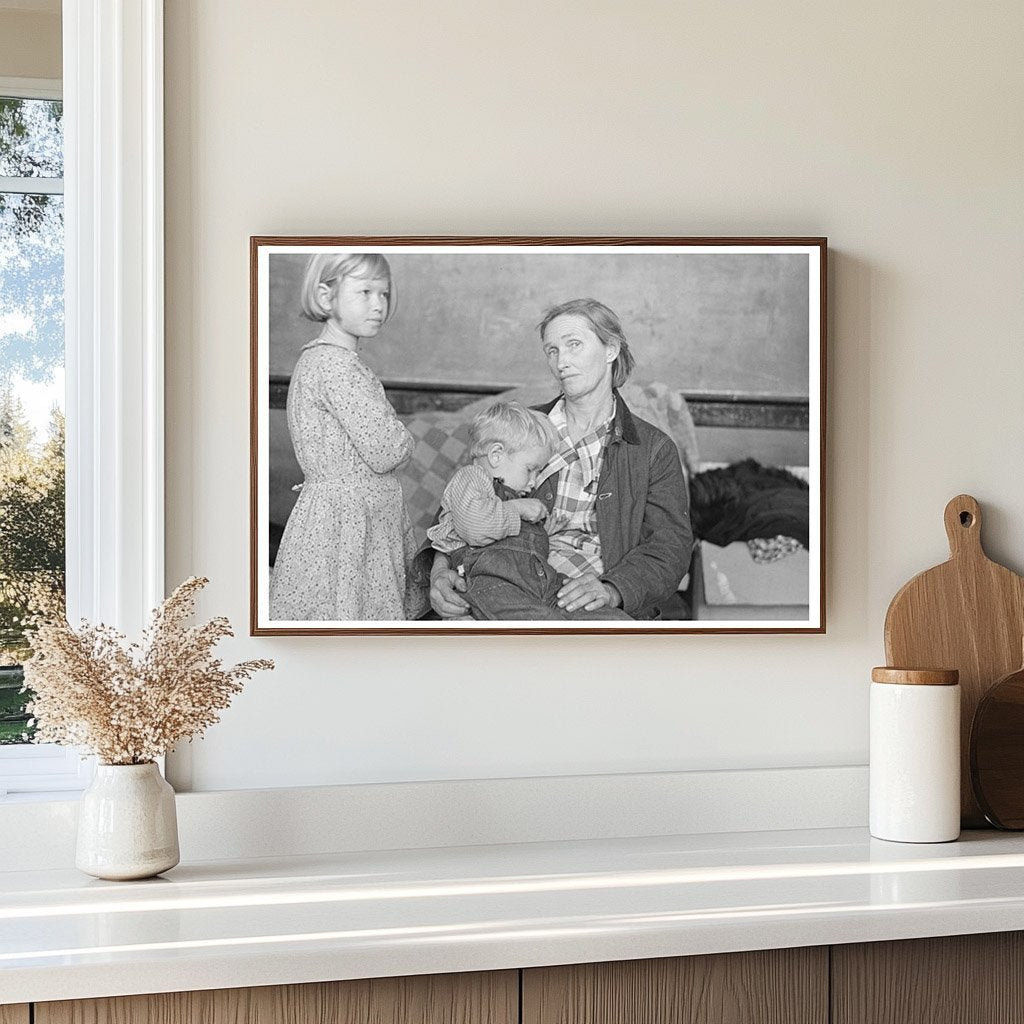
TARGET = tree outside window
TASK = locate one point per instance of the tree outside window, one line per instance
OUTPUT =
(32, 545)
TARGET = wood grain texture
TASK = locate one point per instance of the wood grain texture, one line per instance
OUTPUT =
(776, 986)
(960, 979)
(14, 1014)
(967, 614)
(479, 998)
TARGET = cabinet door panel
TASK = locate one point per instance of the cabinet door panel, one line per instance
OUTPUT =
(482, 998)
(959, 979)
(777, 986)
(14, 1014)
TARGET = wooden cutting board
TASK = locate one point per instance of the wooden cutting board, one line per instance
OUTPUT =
(967, 614)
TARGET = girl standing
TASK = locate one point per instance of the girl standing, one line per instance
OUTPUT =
(347, 542)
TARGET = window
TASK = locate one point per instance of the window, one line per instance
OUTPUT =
(32, 534)
(31, 381)
(113, 333)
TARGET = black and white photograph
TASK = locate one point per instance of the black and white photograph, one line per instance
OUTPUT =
(537, 435)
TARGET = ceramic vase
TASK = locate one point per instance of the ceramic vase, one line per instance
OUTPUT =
(127, 825)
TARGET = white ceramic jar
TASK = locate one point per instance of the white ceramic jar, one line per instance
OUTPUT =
(127, 823)
(915, 755)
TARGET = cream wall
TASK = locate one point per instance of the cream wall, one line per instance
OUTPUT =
(30, 43)
(894, 129)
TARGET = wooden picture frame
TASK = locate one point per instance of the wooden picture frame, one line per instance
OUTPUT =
(729, 341)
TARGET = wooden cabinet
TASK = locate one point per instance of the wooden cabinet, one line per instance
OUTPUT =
(481, 998)
(961, 979)
(966, 979)
(776, 986)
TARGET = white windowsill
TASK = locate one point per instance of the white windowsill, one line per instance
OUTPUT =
(242, 824)
(43, 771)
(49, 797)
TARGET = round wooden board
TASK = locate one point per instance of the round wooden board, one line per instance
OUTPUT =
(997, 752)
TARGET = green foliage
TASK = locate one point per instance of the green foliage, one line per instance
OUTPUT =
(14, 726)
(32, 511)
(32, 546)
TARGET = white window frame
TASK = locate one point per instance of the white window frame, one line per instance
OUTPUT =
(32, 88)
(114, 265)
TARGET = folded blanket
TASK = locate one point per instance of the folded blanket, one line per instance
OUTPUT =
(746, 500)
(442, 445)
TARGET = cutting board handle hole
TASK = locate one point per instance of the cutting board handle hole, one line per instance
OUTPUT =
(966, 519)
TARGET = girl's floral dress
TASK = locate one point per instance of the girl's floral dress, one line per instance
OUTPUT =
(347, 543)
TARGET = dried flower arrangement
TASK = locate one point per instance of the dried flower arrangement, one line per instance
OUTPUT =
(129, 704)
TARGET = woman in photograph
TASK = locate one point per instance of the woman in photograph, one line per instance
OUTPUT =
(347, 543)
(615, 491)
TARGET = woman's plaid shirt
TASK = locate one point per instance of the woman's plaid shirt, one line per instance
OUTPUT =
(575, 547)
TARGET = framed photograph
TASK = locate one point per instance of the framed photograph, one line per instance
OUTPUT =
(537, 435)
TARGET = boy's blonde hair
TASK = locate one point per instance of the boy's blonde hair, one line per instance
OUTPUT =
(330, 268)
(514, 426)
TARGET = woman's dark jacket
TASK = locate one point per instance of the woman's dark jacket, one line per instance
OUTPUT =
(643, 517)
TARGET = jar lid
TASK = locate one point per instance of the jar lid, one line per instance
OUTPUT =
(916, 676)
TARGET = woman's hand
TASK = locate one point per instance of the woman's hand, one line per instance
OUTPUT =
(589, 593)
(445, 585)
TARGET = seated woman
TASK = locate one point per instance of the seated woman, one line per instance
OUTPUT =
(615, 492)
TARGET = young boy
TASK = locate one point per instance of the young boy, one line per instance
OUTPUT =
(494, 536)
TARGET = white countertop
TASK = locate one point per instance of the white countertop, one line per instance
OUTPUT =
(223, 924)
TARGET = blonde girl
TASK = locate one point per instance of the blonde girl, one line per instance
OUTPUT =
(347, 542)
